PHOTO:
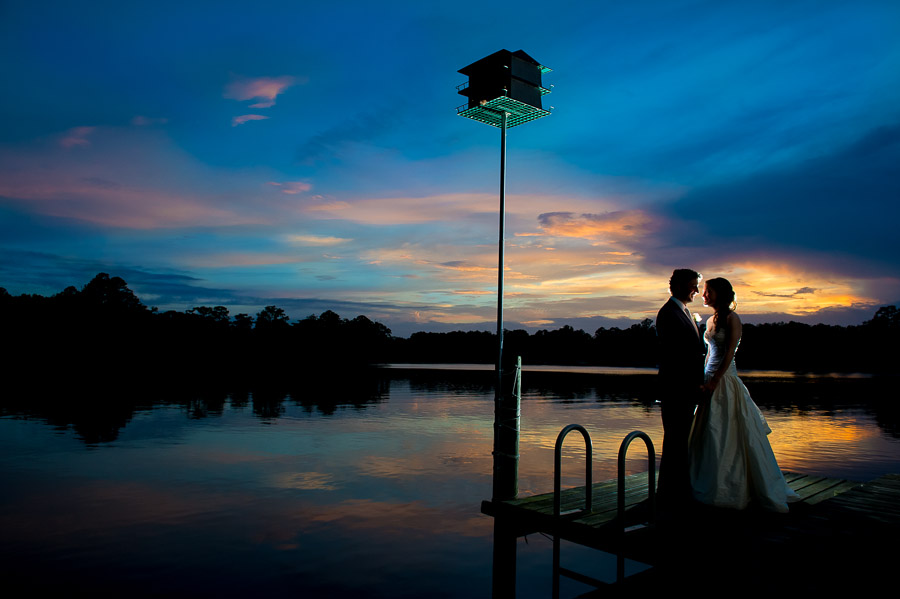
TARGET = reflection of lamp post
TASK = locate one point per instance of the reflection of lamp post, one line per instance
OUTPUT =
(504, 90)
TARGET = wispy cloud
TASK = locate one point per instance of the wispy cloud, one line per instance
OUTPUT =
(292, 187)
(240, 120)
(264, 89)
(609, 226)
(802, 291)
(135, 179)
(76, 136)
(316, 240)
(145, 121)
(462, 265)
(119, 206)
(359, 128)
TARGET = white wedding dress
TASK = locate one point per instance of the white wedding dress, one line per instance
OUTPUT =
(731, 460)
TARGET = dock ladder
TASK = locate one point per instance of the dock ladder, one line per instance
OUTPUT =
(588, 502)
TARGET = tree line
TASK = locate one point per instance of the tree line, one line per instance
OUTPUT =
(104, 333)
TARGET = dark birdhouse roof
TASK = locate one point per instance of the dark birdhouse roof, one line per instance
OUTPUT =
(467, 70)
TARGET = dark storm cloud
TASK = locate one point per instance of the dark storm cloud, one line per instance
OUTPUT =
(846, 204)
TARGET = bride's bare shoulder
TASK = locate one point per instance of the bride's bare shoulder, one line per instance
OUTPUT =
(733, 322)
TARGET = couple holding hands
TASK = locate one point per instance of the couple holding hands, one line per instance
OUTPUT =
(715, 445)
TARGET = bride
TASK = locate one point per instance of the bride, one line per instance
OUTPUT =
(731, 460)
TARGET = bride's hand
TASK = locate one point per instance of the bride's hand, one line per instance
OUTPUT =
(711, 384)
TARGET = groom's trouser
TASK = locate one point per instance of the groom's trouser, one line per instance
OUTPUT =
(674, 477)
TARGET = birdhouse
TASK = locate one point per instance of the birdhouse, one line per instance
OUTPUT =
(503, 82)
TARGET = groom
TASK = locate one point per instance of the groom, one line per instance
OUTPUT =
(681, 355)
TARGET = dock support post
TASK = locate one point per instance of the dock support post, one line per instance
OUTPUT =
(506, 485)
(504, 572)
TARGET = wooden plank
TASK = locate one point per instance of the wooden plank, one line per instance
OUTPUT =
(844, 524)
(881, 496)
(809, 485)
(881, 490)
(830, 493)
(825, 489)
(882, 509)
(604, 496)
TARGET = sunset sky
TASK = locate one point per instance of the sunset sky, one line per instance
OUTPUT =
(309, 155)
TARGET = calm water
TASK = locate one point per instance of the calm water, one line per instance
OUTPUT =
(372, 493)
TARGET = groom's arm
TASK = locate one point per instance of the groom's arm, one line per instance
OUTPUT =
(667, 333)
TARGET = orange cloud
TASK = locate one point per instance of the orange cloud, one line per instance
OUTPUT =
(316, 240)
(407, 210)
(609, 226)
(464, 266)
(779, 287)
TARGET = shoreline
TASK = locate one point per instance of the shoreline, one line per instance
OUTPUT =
(617, 370)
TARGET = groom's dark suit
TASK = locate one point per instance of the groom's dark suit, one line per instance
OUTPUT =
(681, 355)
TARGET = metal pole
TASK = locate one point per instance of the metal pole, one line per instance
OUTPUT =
(506, 425)
(501, 244)
(501, 475)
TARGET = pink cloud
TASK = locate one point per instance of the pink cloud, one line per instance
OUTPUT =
(143, 121)
(453, 207)
(77, 136)
(106, 203)
(240, 120)
(265, 89)
(136, 180)
(292, 187)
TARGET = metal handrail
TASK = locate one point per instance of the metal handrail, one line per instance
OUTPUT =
(651, 490)
(651, 473)
(557, 465)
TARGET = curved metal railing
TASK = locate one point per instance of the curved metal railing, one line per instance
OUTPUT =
(557, 467)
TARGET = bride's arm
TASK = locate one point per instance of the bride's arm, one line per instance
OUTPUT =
(733, 330)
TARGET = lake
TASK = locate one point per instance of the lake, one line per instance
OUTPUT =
(369, 485)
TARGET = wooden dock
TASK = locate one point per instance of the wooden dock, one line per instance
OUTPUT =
(841, 535)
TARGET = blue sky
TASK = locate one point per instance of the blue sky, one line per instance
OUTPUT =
(310, 156)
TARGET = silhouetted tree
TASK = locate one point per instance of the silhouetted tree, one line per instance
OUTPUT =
(217, 315)
(111, 294)
(103, 335)
(243, 322)
(271, 318)
(887, 318)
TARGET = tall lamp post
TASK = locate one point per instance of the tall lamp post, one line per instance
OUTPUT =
(504, 90)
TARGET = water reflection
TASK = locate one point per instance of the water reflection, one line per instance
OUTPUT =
(99, 414)
(373, 490)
